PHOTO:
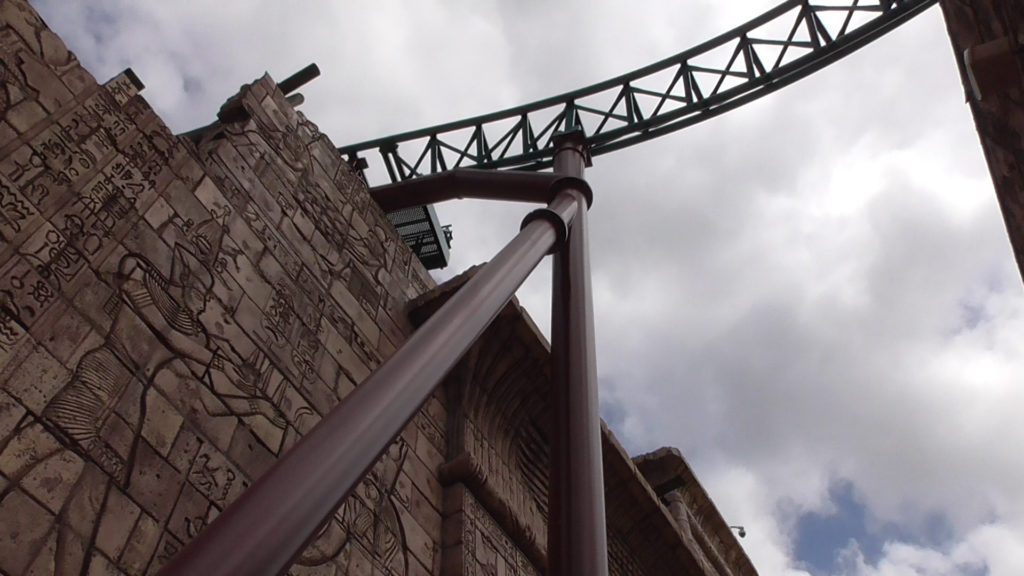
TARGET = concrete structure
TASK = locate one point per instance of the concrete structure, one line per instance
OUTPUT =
(174, 316)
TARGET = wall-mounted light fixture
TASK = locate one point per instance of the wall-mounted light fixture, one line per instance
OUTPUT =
(994, 66)
(740, 531)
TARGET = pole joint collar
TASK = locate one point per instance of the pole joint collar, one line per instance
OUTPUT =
(556, 221)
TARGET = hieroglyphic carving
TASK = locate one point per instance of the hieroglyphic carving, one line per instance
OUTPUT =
(215, 477)
(278, 316)
(370, 518)
(621, 562)
(352, 335)
(146, 158)
(359, 256)
(157, 331)
(485, 545)
(39, 39)
(31, 58)
(79, 125)
(329, 218)
(13, 83)
(52, 258)
(11, 331)
(143, 407)
(305, 351)
(25, 294)
(503, 478)
(155, 326)
(15, 213)
(105, 204)
(112, 117)
(166, 549)
(363, 289)
(72, 147)
(431, 431)
(122, 87)
(291, 329)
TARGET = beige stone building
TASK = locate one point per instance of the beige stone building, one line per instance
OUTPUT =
(175, 315)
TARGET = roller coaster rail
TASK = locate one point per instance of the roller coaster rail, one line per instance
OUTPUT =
(777, 48)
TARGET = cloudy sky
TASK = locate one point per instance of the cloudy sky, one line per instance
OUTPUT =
(813, 297)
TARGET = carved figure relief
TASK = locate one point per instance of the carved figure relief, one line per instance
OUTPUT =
(368, 518)
(376, 251)
(156, 334)
(161, 362)
(12, 78)
(40, 39)
(156, 323)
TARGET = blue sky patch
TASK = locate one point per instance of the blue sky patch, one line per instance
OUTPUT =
(820, 538)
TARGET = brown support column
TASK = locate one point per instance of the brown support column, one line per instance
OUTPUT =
(272, 522)
(577, 543)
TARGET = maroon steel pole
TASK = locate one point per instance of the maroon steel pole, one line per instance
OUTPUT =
(577, 543)
(272, 522)
(512, 185)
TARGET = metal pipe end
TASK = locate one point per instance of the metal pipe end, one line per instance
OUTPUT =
(299, 79)
(560, 226)
(572, 182)
(573, 138)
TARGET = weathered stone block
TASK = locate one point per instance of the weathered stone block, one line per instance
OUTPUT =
(250, 453)
(191, 514)
(120, 515)
(140, 545)
(215, 477)
(37, 380)
(25, 115)
(154, 482)
(162, 422)
(22, 532)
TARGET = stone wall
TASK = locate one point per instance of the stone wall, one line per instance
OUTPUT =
(174, 316)
(999, 116)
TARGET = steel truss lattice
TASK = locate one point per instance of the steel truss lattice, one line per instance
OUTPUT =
(775, 49)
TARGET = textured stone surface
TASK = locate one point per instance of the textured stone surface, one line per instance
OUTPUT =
(173, 316)
(999, 117)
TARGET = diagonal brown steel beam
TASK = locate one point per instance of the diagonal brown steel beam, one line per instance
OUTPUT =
(280, 514)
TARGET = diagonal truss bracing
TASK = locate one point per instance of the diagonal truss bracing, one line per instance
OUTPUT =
(773, 50)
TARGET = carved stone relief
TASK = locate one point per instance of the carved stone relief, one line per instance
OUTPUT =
(367, 525)
(162, 339)
(487, 550)
(173, 318)
(497, 402)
